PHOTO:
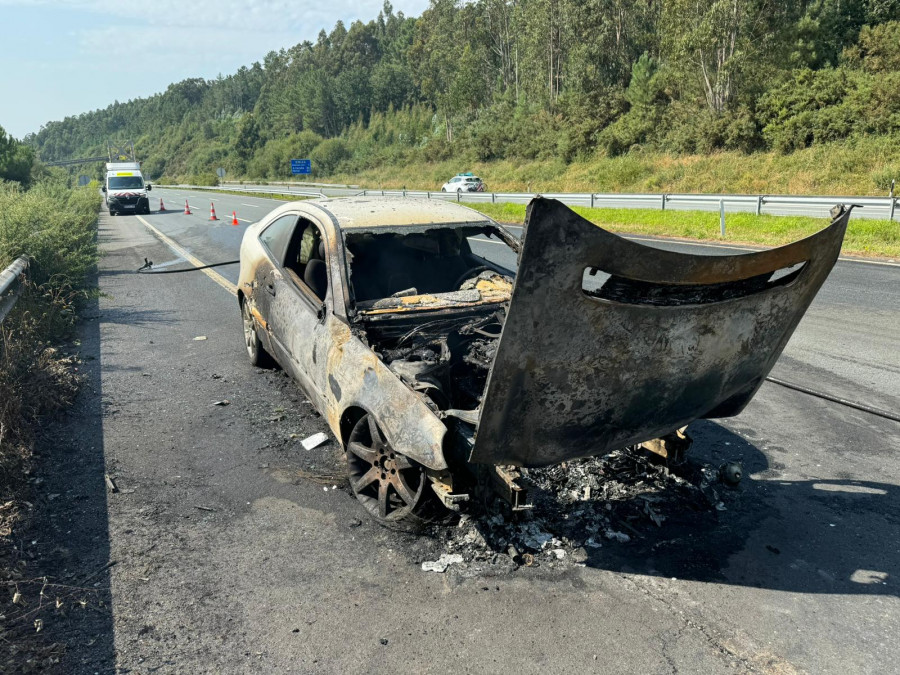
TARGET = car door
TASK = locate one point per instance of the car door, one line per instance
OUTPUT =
(298, 325)
(274, 238)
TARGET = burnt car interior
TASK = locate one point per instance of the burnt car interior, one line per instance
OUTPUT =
(443, 353)
(305, 258)
(397, 264)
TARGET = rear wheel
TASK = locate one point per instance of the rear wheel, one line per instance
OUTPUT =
(257, 353)
(390, 486)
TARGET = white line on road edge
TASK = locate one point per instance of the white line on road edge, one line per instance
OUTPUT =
(196, 262)
(252, 206)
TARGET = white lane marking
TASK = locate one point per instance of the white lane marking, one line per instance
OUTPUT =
(196, 262)
(252, 206)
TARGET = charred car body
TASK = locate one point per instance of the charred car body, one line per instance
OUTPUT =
(439, 369)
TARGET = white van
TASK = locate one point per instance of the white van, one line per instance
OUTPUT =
(125, 189)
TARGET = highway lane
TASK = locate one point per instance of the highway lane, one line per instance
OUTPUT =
(848, 344)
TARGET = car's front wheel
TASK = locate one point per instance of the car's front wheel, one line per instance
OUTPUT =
(389, 485)
(257, 353)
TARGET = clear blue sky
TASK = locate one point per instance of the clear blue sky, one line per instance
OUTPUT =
(65, 57)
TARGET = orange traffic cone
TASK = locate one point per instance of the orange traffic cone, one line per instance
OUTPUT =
(187, 208)
(161, 207)
(212, 212)
(234, 218)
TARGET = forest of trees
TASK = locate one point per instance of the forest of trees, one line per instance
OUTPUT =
(529, 79)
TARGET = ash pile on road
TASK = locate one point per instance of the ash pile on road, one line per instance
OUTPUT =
(625, 498)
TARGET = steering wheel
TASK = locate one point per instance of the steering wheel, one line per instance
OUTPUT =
(470, 273)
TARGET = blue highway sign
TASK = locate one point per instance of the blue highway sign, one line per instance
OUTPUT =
(301, 166)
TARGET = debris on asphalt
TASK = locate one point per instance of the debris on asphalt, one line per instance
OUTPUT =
(110, 483)
(441, 564)
(627, 498)
(223, 402)
(204, 508)
(314, 441)
(731, 473)
(199, 338)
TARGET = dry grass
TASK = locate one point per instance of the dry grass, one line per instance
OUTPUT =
(861, 167)
(35, 380)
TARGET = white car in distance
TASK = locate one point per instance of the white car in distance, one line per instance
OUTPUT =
(463, 182)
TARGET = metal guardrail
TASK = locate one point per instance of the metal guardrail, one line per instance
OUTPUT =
(880, 208)
(10, 288)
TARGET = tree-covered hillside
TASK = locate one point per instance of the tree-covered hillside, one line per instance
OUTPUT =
(561, 80)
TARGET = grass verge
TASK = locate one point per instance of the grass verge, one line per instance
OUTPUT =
(56, 227)
(864, 237)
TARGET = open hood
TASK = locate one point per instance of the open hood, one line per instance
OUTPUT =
(609, 343)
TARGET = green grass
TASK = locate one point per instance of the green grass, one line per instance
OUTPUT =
(864, 237)
(53, 224)
(244, 193)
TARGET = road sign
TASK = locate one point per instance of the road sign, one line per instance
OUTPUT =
(220, 172)
(301, 166)
(83, 180)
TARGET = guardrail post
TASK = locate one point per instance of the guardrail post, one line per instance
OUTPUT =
(458, 193)
(382, 193)
(722, 216)
(592, 200)
(893, 201)
(663, 201)
(758, 204)
(404, 192)
(493, 197)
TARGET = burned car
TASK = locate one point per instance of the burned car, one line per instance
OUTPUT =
(443, 352)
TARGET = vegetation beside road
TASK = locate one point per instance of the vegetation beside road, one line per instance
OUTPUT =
(44, 217)
(861, 167)
(864, 237)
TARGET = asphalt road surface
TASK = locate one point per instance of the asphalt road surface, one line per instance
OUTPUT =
(237, 551)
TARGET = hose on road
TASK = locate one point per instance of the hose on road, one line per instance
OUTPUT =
(148, 265)
(878, 412)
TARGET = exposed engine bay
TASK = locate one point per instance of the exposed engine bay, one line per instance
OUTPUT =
(447, 360)
(432, 310)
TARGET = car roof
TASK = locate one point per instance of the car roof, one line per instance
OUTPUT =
(350, 213)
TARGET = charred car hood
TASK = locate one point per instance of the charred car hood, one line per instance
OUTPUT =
(668, 338)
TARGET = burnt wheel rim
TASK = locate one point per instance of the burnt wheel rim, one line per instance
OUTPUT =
(389, 485)
(249, 331)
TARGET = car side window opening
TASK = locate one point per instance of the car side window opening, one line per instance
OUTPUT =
(277, 236)
(306, 258)
(382, 265)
